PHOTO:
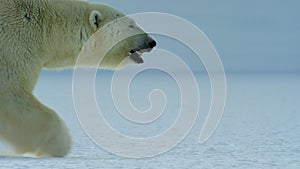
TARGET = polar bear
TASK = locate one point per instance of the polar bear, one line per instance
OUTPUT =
(37, 34)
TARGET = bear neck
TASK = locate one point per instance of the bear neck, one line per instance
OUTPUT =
(66, 34)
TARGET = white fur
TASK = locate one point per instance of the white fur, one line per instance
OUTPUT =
(36, 34)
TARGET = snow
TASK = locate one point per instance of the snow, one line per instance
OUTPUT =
(260, 127)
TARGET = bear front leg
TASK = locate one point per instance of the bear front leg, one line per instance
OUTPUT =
(30, 127)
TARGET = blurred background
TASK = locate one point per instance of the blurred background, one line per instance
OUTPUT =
(250, 36)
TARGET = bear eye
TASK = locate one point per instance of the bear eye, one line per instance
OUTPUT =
(27, 16)
(131, 26)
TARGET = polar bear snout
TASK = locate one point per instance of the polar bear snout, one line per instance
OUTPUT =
(147, 46)
(152, 44)
(145, 43)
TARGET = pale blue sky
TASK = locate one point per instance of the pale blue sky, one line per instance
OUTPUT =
(257, 35)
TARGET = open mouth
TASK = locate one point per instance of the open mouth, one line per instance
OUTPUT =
(136, 55)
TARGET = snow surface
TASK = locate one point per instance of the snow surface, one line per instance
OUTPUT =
(260, 127)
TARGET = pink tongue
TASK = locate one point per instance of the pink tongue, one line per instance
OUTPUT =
(135, 56)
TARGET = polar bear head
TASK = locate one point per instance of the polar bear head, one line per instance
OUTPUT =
(94, 31)
(116, 38)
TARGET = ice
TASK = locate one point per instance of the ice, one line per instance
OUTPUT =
(261, 124)
(260, 127)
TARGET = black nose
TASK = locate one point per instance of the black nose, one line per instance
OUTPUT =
(152, 44)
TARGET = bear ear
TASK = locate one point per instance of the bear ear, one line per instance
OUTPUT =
(95, 19)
